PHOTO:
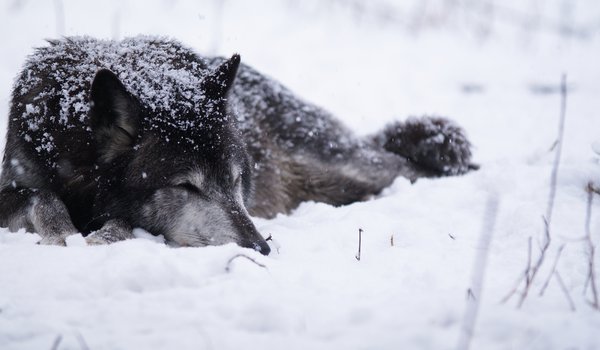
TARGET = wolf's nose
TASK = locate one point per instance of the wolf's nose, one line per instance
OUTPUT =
(262, 247)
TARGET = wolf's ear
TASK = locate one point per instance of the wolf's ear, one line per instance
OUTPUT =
(114, 115)
(217, 84)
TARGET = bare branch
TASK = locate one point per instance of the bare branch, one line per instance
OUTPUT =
(591, 187)
(228, 266)
(534, 270)
(514, 289)
(531, 273)
(524, 275)
(360, 231)
(588, 278)
(82, 343)
(552, 271)
(528, 268)
(559, 144)
(591, 248)
(562, 285)
(56, 342)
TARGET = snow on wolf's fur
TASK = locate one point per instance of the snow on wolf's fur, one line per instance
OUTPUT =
(162, 80)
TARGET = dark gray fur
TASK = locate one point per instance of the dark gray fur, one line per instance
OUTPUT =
(104, 136)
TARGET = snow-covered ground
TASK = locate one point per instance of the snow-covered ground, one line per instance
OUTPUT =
(313, 293)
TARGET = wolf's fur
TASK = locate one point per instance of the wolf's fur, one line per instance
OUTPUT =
(104, 136)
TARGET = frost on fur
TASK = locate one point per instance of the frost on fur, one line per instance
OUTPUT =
(436, 144)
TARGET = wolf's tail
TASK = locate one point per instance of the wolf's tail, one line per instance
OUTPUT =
(436, 145)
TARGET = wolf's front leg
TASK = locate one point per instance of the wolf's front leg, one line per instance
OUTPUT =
(113, 230)
(36, 210)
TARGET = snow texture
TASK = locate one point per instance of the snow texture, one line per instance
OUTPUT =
(313, 293)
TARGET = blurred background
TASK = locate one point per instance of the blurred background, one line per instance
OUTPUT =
(367, 61)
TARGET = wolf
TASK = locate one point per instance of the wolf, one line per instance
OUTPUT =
(104, 136)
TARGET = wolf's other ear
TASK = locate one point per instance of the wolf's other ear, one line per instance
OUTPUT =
(114, 115)
(217, 83)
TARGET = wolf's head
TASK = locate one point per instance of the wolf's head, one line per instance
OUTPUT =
(186, 176)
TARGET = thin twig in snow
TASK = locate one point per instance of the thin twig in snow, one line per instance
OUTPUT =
(587, 283)
(56, 342)
(228, 266)
(561, 129)
(591, 248)
(82, 343)
(533, 270)
(562, 285)
(514, 289)
(552, 271)
(524, 276)
(528, 269)
(360, 231)
(478, 273)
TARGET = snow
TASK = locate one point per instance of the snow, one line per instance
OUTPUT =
(313, 293)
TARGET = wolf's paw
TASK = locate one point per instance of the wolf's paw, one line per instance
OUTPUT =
(112, 231)
(60, 240)
(436, 144)
(96, 238)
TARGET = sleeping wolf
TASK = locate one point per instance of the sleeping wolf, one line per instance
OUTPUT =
(104, 136)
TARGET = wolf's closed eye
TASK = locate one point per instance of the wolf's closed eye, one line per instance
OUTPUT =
(189, 187)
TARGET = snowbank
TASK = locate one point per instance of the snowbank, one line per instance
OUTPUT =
(313, 293)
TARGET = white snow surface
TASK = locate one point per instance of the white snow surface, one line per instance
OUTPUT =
(313, 293)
